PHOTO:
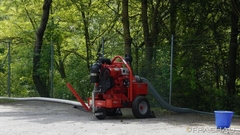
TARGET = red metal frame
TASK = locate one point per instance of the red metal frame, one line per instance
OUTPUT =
(78, 97)
(130, 92)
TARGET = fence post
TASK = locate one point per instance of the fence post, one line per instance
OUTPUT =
(52, 68)
(171, 65)
(9, 70)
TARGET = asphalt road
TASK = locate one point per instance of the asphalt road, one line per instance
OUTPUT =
(47, 118)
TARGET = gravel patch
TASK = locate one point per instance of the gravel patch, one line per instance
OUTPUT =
(47, 118)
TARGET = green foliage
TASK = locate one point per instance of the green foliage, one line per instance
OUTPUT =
(200, 48)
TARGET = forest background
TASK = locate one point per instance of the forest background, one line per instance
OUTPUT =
(44, 44)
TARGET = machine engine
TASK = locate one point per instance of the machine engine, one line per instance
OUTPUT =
(109, 76)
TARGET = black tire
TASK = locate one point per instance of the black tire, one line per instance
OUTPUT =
(100, 113)
(111, 112)
(114, 112)
(140, 107)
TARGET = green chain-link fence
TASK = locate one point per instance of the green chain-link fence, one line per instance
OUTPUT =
(198, 71)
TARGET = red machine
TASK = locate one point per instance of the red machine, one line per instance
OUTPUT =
(115, 87)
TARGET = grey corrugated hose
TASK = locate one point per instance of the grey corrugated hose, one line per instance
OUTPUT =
(169, 107)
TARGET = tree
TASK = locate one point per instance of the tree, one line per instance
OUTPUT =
(39, 83)
(150, 20)
(146, 33)
(125, 22)
(233, 47)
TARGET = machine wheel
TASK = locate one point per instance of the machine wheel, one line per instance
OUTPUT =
(100, 113)
(140, 107)
(114, 112)
(111, 112)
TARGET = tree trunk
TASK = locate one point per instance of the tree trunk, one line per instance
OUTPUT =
(173, 19)
(87, 38)
(149, 38)
(125, 21)
(80, 7)
(233, 55)
(148, 44)
(236, 7)
(60, 65)
(40, 85)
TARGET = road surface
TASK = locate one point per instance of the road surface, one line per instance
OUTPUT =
(47, 118)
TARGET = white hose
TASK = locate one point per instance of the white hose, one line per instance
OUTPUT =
(74, 103)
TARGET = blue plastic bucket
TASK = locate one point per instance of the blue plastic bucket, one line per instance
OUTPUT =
(223, 119)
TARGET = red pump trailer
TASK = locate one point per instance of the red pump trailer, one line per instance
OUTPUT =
(115, 87)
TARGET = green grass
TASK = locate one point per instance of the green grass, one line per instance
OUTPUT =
(6, 100)
(161, 111)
